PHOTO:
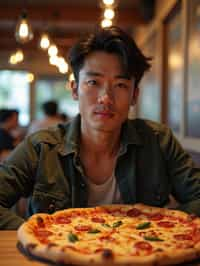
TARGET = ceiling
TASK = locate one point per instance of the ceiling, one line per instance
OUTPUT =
(65, 21)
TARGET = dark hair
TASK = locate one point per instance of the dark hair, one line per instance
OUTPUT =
(5, 114)
(111, 40)
(50, 108)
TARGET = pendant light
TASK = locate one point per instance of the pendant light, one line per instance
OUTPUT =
(44, 41)
(23, 31)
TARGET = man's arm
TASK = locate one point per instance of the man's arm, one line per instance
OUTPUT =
(184, 175)
(9, 220)
(16, 180)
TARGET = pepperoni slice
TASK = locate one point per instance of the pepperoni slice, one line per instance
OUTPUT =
(62, 220)
(166, 224)
(156, 216)
(143, 246)
(107, 238)
(133, 212)
(98, 220)
(82, 227)
(182, 237)
(43, 233)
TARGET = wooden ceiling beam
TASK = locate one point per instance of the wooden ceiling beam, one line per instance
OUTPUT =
(67, 14)
(8, 41)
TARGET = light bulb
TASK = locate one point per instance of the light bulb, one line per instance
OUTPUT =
(44, 41)
(30, 77)
(108, 2)
(71, 77)
(106, 23)
(19, 56)
(109, 13)
(23, 31)
(53, 50)
(12, 59)
(62, 65)
(53, 60)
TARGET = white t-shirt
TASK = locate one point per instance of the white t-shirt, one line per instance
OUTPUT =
(103, 194)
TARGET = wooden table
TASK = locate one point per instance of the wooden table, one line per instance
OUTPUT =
(11, 254)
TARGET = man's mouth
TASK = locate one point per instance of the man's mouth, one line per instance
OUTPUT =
(104, 113)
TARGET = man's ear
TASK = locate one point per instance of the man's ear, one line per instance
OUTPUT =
(74, 89)
(135, 96)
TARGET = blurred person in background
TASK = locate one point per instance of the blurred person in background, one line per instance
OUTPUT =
(51, 117)
(64, 117)
(8, 123)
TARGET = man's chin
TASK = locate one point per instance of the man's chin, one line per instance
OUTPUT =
(104, 127)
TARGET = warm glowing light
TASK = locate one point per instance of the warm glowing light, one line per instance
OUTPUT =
(175, 60)
(106, 23)
(108, 2)
(19, 56)
(12, 59)
(53, 50)
(23, 31)
(71, 77)
(63, 69)
(62, 65)
(109, 13)
(44, 41)
(30, 77)
(53, 60)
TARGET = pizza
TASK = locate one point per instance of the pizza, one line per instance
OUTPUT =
(113, 235)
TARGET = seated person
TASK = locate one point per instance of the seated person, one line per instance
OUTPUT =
(8, 122)
(100, 156)
(51, 117)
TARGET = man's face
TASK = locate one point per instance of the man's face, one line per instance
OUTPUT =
(104, 92)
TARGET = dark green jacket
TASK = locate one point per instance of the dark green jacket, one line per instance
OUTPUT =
(46, 168)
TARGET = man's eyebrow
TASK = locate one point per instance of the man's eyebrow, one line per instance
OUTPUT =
(98, 74)
(123, 77)
(93, 73)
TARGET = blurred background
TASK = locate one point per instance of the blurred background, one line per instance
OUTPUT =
(35, 37)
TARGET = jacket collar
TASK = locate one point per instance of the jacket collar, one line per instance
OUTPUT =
(129, 135)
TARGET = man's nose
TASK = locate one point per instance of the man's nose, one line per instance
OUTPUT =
(105, 95)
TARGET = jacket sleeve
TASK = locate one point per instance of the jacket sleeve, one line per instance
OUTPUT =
(16, 180)
(184, 175)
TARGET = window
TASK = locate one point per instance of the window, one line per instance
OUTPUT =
(14, 93)
(193, 90)
(53, 88)
(149, 97)
(174, 70)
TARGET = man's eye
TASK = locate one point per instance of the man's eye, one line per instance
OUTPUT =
(122, 85)
(92, 82)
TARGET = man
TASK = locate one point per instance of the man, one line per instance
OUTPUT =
(51, 117)
(100, 157)
(8, 123)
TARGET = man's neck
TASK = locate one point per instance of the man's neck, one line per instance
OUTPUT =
(98, 153)
(99, 143)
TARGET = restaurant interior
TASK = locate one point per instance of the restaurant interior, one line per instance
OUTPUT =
(35, 38)
(34, 67)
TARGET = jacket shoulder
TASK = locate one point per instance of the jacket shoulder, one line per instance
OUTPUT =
(151, 127)
(53, 135)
